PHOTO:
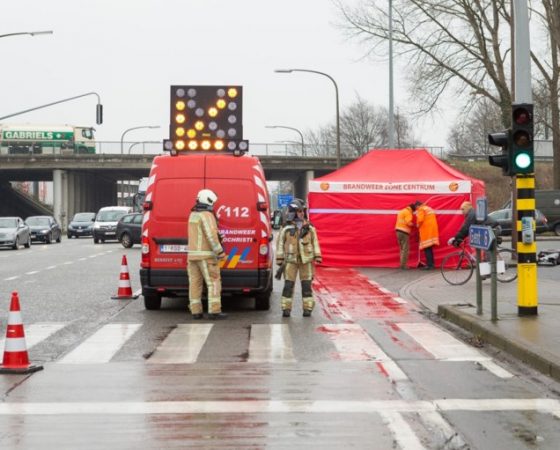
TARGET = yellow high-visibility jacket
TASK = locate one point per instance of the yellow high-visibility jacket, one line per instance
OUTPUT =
(204, 241)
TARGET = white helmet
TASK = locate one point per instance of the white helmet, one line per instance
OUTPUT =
(207, 197)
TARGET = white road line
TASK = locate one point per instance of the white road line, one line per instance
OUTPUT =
(50, 268)
(354, 344)
(37, 332)
(401, 431)
(101, 346)
(182, 345)
(446, 348)
(82, 259)
(11, 278)
(546, 406)
(67, 263)
(270, 343)
(33, 272)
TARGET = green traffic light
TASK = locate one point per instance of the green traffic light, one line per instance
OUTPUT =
(523, 161)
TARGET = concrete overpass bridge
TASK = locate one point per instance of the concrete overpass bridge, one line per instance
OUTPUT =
(88, 182)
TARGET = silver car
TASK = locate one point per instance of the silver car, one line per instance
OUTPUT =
(14, 232)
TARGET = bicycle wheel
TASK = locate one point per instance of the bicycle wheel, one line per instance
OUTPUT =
(457, 268)
(510, 274)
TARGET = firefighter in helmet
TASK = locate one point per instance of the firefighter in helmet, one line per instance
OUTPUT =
(297, 249)
(205, 251)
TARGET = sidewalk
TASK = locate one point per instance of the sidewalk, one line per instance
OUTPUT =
(534, 340)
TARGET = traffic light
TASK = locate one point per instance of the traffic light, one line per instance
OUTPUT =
(522, 146)
(206, 118)
(501, 139)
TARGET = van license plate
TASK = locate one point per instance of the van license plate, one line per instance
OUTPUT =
(172, 248)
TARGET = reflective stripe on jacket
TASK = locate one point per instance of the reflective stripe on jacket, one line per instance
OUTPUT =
(293, 243)
(404, 220)
(204, 242)
(427, 226)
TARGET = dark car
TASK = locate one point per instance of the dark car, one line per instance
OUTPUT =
(44, 229)
(81, 225)
(14, 232)
(503, 217)
(129, 229)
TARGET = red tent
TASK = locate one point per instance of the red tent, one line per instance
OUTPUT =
(355, 208)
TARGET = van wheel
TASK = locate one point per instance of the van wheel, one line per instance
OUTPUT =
(557, 229)
(262, 300)
(152, 301)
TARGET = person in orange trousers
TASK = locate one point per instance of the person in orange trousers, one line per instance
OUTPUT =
(426, 222)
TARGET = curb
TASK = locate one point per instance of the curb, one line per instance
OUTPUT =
(468, 322)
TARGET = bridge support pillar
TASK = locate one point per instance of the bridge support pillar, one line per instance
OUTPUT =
(301, 184)
(60, 197)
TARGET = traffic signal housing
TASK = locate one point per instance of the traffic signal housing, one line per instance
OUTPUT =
(522, 151)
(501, 139)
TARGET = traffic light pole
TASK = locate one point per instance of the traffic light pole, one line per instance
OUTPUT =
(527, 287)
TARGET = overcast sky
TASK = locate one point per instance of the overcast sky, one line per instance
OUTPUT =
(131, 51)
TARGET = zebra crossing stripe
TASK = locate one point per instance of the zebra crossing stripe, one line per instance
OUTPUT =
(102, 345)
(445, 347)
(37, 332)
(270, 343)
(354, 344)
(385, 407)
(401, 431)
(182, 345)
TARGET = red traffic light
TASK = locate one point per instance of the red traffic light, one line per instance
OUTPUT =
(521, 116)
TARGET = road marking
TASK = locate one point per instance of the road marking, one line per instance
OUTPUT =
(11, 278)
(401, 431)
(354, 344)
(67, 263)
(51, 267)
(270, 343)
(182, 345)
(445, 347)
(33, 272)
(38, 332)
(542, 405)
(102, 345)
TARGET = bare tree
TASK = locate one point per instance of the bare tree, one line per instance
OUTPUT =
(469, 136)
(362, 127)
(462, 47)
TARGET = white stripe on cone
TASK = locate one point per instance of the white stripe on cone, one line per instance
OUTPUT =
(15, 345)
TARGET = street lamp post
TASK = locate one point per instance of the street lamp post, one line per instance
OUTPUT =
(391, 98)
(99, 110)
(30, 33)
(337, 106)
(135, 128)
(293, 129)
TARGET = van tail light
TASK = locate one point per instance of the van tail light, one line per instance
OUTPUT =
(262, 206)
(264, 253)
(147, 205)
(145, 262)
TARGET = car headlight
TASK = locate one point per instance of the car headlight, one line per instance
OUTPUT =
(96, 226)
(44, 231)
(70, 227)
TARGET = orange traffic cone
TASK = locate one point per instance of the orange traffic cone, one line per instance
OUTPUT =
(125, 289)
(16, 359)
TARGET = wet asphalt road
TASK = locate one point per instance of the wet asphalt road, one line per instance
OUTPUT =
(368, 370)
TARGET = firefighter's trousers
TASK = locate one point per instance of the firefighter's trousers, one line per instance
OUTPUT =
(204, 271)
(306, 277)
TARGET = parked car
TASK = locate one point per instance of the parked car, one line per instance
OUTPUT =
(503, 217)
(106, 219)
(14, 232)
(44, 229)
(81, 225)
(129, 229)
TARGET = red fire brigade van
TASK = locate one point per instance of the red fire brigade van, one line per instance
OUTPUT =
(243, 218)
